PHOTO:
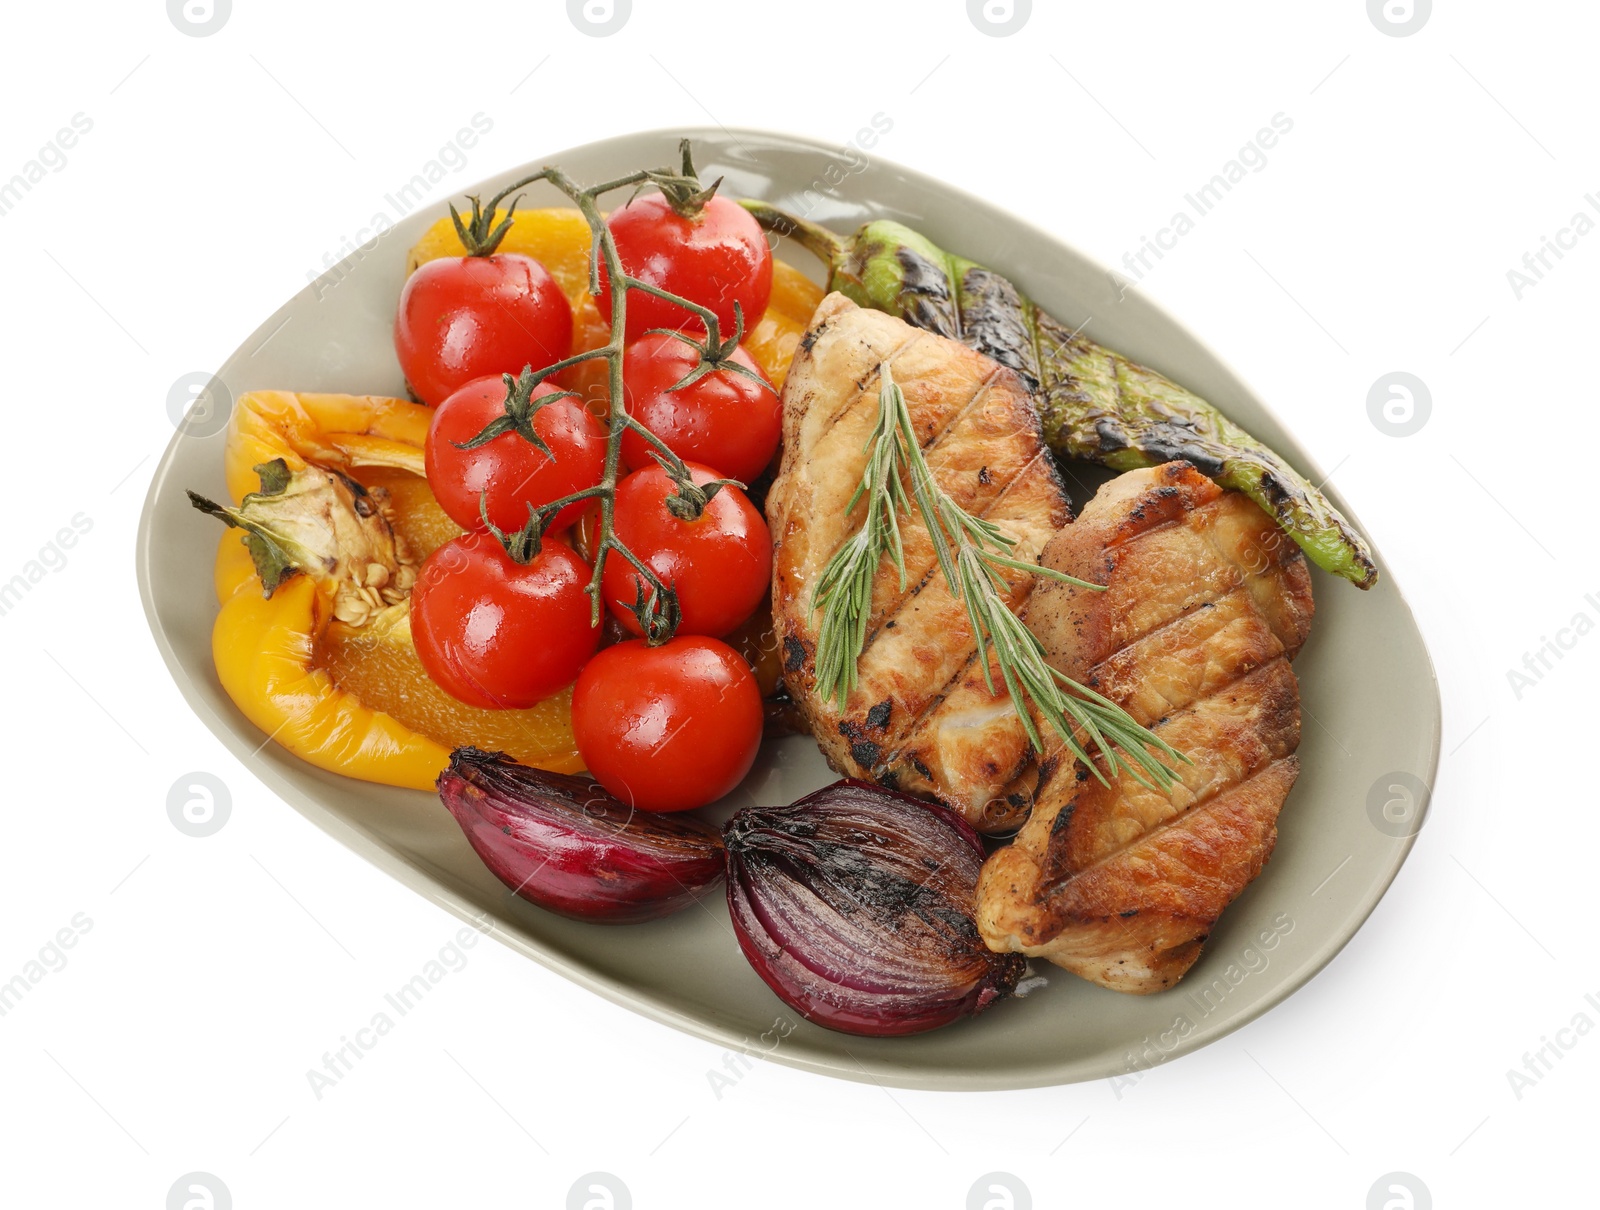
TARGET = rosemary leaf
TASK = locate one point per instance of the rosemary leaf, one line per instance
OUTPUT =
(972, 553)
(843, 592)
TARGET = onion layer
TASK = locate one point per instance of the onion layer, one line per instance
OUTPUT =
(855, 905)
(564, 843)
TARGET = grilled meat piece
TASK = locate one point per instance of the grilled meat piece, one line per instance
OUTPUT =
(912, 721)
(1206, 602)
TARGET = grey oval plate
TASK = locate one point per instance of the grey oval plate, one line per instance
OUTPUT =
(1371, 702)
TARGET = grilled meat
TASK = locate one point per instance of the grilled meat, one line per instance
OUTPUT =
(1205, 604)
(914, 720)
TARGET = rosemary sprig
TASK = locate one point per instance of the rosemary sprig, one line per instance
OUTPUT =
(973, 554)
(843, 592)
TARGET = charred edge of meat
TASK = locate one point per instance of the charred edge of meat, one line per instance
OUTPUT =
(1049, 766)
(794, 654)
(812, 335)
(865, 752)
(1063, 820)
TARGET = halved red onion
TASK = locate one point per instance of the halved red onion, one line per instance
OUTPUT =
(564, 843)
(855, 905)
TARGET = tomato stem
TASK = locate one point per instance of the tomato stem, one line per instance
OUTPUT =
(522, 545)
(481, 235)
(656, 605)
(520, 409)
(683, 190)
(714, 356)
(689, 499)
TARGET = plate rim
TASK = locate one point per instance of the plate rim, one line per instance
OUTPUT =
(647, 1003)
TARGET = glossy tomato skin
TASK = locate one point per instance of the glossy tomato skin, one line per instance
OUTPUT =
(723, 419)
(498, 634)
(717, 258)
(463, 317)
(511, 470)
(720, 564)
(667, 728)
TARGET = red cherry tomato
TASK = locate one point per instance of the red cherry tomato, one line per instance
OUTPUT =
(719, 564)
(496, 633)
(509, 470)
(463, 317)
(667, 728)
(722, 419)
(716, 258)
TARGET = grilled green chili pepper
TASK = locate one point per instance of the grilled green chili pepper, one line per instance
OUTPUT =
(1095, 404)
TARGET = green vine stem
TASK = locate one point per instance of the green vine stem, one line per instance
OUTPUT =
(657, 604)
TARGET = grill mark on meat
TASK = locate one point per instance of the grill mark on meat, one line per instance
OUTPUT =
(931, 446)
(1197, 883)
(929, 715)
(794, 654)
(1020, 593)
(936, 437)
(1012, 742)
(1281, 730)
(891, 616)
(1193, 636)
(1274, 576)
(851, 401)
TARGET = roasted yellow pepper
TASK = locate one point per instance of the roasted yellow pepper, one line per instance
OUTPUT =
(311, 666)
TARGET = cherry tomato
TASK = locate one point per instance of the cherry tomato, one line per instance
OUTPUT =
(466, 316)
(509, 469)
(722, 419)
(716, 258)
(667, 728)
(496, 633)
(719, 564)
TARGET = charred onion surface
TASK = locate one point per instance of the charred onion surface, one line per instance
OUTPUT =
(855, 906)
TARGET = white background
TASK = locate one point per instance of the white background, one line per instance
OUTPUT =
(221, 169)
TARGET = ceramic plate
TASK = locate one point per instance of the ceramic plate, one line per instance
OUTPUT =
(1370, 699)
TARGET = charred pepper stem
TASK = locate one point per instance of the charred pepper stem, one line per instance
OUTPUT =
(326, 525)
(1094, 404)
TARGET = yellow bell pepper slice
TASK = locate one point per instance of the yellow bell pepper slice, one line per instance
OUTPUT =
(307, 427)
(274, 656)
(265, 652)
